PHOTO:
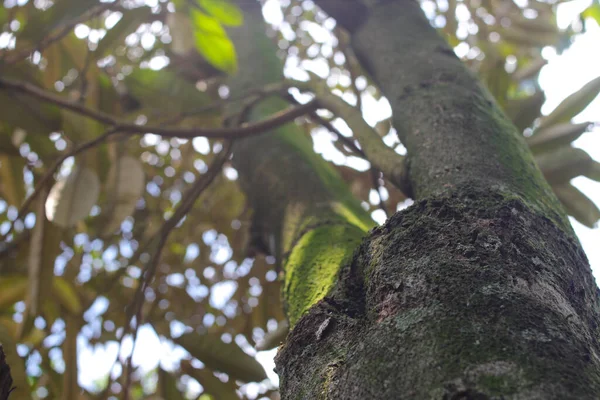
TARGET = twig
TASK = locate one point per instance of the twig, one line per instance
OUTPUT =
(378, 154)
(244, 130)
(187, 203)
(377, 187)
(352, 65)
(64, 31)
(329, 126)
(53, 168)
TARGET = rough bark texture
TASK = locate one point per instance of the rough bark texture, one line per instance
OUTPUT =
(478, 291)
(466, 296)
(454, 131)
(6, 381)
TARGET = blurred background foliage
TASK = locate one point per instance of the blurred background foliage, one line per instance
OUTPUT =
(82, 220)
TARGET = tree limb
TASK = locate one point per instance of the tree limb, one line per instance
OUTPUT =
(242, 131)
(381, 156)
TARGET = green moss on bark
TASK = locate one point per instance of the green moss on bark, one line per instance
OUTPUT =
(314, 263)
(471, 294)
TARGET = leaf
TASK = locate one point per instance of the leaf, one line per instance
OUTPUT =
(556, 136)
(224, 11)
(34, 338)
(127, 182)
(66, 295)
(221, 356)
(524, 111)
(12, 187)
(16, 363)
(564, 164)
(573, 104)
(129, 23)
(577, 204)
(530, 70)
(592, 12)
(12, 289)
(40, 24)
(213, 43)
(167, 383)
(71, 198)
(211, 384)
(30, 114)
(527, 38)
(43, 249)
(594, 172)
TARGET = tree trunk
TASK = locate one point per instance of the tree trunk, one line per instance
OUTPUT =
(6, 381)
(477, 291)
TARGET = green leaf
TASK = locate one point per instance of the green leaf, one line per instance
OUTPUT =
(556, 136)
(577, 204)
(213, 43)
(564, 164)
(573, 104)
(71, 198)
(12, 289)
(66, 295)
(221, 356)
(592, 12)
(12, 188)
(167, 386)
(224, 11)
(62, 12)
(30, 114)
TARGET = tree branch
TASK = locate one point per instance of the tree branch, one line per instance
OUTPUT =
(242, 131)
(43, 181)
(381, 156)
(62, 32)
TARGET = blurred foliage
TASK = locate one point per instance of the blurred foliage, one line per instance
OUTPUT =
(70, 267)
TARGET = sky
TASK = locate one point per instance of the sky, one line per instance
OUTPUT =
(563, 75)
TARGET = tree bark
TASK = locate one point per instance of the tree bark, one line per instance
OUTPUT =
(6, 381)
(478, 291)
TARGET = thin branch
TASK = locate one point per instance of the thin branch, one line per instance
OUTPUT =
(329, 126)
(43, 181)
(377, 187)
(352, 64)
(242, 131)
(189, 198)
(61, 33)
(381, 156)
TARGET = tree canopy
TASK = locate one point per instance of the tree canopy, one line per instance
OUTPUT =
(119, 207)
